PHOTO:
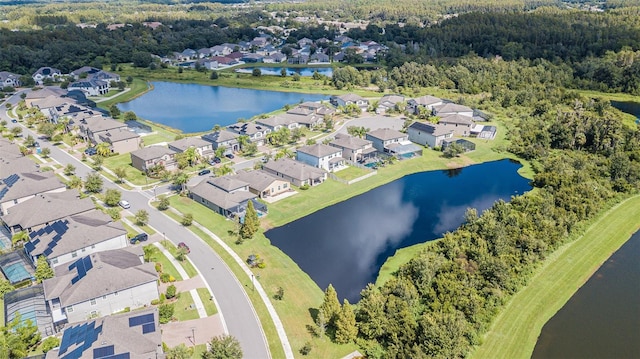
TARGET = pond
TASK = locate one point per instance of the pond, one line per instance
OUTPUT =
(632, 108)
(601, 320)
(302, 71)
(198, 108)
(347, 243)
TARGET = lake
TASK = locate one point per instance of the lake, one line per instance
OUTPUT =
(347, 243)
(602, 319)
(198, 108)
(632, 108)
(302, 71)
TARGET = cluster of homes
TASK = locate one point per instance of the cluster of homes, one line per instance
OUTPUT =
(268, 49)
(97, 272)
(89, 80)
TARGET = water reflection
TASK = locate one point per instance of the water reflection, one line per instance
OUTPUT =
(346, 244)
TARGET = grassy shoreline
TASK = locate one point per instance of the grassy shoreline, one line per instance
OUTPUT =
(514, 333)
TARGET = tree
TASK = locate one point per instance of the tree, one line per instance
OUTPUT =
(357, 131)
(112, 197)
(256, 72)
(43, 270)
(171, 291)
(224, 170)
(50, 343)
(223, 347)
(74, 182)
(103, 149)
(130, 116)
(346, 330)
(121, 173)
(165, 313)
(187, 219)
(142, 217)
(179, 352)
(69, 170)
(164, 203)
(328, 123)
(47, 129)
(93, 183)
(330, 305)
(180, 180)
(214, 75)
(29, 141)
(284, 152)
(251, 222)
(5, 287)
(16, 131)
(453, 150)
(17, 339)
(45, 152)
(283, 72)
(219, 152)
(97, 162)
(114, 111)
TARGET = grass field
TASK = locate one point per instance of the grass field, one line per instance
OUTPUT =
(184, 308)
(167, 266)
(515, 331)
(186, 265)
(209, 305)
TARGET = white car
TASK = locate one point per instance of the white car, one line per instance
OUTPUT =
(124, 204)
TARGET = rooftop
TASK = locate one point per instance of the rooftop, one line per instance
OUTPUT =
(385, 134)
(152, 152)
(349, 142)
(27, 184)
(187, 142)
(319, 150)
(294, 169)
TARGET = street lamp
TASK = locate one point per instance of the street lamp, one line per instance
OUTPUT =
(253, 285)
(193, 335)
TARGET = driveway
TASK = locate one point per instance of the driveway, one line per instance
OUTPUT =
(203, 329)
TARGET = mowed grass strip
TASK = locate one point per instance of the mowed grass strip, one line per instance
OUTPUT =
(515, 331)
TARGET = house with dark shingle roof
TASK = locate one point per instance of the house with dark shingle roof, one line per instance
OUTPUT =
(46, 73)
(121, 140)
(203, 148)
(20, 187)
(131, 335)
(44, 208)
(350, 98)
(151, 156)
(459, 124)
(100, 284)
(91, 87)
(223, 138)
(393, 142)
(428, 102)
(321, 156)
(354, 149)
(428, 134)
(263, 183)
(298, 173)
(451, 109)
(388, 102)
(62, 241)
(227, 196)
(256, 132)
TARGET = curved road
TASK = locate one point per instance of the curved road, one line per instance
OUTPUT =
(237, 311)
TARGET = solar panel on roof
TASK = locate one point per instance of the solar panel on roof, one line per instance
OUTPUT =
(103, 352)
(148, 328)
(3, 192)
(11, 180)
(30, 246)
(141, 319)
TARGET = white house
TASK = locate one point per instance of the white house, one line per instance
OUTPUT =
(20, 187)
(321, 156)
(452, 109)
(428, 134)
(9, 79)
(45, 73)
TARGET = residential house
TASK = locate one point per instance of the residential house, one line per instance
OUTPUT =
(459, 124)
(90, 87)
(452, 109)
(227, 196)
(43, 93)
(256, 132)
(274, 123)
(484, 131)
(92, 73)
(223, 138)
(354, 149)
(100, 284)
(267, 50)
(130, 335)
(428, 134)
(45, 208)
(298, 173)
(92, 127)
(305, 42)
(296, 59)
(276, 57)
(8, 151)
(427, 102)
(203, 148)
(188, 54)
(303, 117)
(8, 79)
(389, 102)
(393, 142)
(121, 140)
(318, 108)
(350, 98)
(263, 183)
(62, 241)
(252, 57)
(152, 24)
(222, 50)
(46, 73)
(50, 106)
(10, 164)
(204, 52)
(152, 156)
(22, 186)
(321, 156)
(319, 57)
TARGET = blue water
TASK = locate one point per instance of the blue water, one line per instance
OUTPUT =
(347, 243)
(302, 71)
(632, 108)
(198, 108)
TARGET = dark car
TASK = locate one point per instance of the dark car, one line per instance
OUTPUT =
(214, 161)
(91, 151)
(185, 246)
(139, 238)
(205, 171)
(229, 155)
(13, 120)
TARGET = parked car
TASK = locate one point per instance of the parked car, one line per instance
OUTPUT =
(185, 246)
(214, 161)
(139, 238)
(205, 171)
(124, 204)
(229, 155)
(91, 151)
(13, 120)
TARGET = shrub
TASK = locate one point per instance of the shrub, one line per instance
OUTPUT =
(126, 310)
(159, 267)
(304, 187)
(262, 265)
(50, 343)
(155, 302)
(163, 205)
(165, 277)
(279, 294)
(163, 298)
(165, 313)
(187, 219)
(306, 349)
(171, 291)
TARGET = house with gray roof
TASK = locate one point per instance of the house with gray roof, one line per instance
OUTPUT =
(10, 165)
(88, 72)
(452, 109)
(263, 183)
(9, 79)
(429, 134)
(256, 132)
(427, 102)
(91, 87)
(274, 123)
(131, 335)
(8, 151)
(43, 93)
(354, 149)
(276, 57)
(227, 196)
(66, 239)
(459, 124)
(394, 143)
(223, 138)
(151, 156)
(91, 127)
(350, 98)
(22, 186)
(121, 140)
(46, 73)
(303, 117)
(298, 173)
(202, 147)
(321, 156)
(44, 208)
(388, 102)
(100, 284)
(317, 107)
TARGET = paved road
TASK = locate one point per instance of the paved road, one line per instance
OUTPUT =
(237, 311)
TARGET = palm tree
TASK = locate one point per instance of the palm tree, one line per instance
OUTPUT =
(103, 149)
(181, 179)
(224, 170)
(284, 152)
(192, 156)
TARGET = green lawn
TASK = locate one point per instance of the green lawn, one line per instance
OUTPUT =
(186, 265)
(167, 266)
(209, 305)
(351, 173)
(184, 308)
(144, 227)
(515, 331)
(130, 231)
(124, 160)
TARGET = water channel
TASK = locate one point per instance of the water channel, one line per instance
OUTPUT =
(347, 243)
(198, 108)
(302, 71)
